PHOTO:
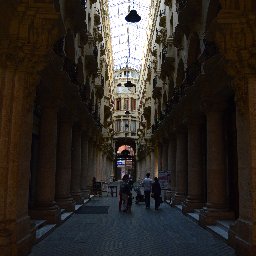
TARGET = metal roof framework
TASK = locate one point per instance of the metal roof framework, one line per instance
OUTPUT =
(128, 39)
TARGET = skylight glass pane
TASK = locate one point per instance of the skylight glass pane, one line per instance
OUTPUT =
(126, 35)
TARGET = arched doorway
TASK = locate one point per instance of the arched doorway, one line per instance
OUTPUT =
(125, 162)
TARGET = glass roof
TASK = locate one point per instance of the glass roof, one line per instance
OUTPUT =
(128, 39)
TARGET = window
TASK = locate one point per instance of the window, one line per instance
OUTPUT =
(133, 126)
(126, 125)
(126, 104)
(118, 125)
(118, 104)
(133, 104)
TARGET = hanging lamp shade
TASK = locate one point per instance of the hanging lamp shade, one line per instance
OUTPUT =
(129, 84)
(133, 17)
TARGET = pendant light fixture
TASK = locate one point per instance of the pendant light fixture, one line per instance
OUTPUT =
(128, 83)
(133, 16)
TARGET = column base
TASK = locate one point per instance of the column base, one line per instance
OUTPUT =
(78, 197)
(67, 203)
(169, 195)
(18, 238)
(26, 236)
(86, 193)
(50, 214)
(5, 242)
(209, 216)
(239, 237)
(177, 199)
(190, 205)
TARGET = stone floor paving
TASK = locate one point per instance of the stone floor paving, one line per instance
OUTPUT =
(144, 232)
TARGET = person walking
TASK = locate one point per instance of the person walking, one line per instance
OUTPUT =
(156, 190)
(124, 193)
(147, 182)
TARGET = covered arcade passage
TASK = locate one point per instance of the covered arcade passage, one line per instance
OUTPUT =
(98, 88)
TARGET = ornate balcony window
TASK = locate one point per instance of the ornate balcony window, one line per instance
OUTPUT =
(155, 82)
(180, 5)
(178, 37)
(168, 3)
(58, 47)
(157, 93)
(188, 11)
(167, 67)
(210, 49)
(162, 22)
(96, 19)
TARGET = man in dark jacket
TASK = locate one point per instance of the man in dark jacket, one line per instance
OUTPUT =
(156, 190)
(124, 193)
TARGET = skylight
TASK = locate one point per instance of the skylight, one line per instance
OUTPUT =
(128, 39)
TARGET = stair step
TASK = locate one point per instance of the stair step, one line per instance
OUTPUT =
(65, 215)
(179, 206)
(39, 223)
(44, 231)
(225, 224)
(197, 210)
(86, 200)
(194, 216)
(77, 206)
(221, 232)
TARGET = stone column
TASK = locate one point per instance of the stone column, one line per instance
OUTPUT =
(165, 155)
(144, 166)
(217, 207)
(46, 207)
(242, 235)
(194, 198)
(104, 168)
(89, 176)
(181, 167)
(76, 165)
(93, 161)
(100, 159)
(152, 162)
(84, 166)
(96, 163)
(138, 176)
(160, 150)
(172, 162)
(63, 172)
(16, 115)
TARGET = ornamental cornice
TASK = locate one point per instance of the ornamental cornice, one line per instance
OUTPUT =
(235, 34)
(35, 28)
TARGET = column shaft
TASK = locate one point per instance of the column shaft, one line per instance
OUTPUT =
(242, 235)
(84, 166)
(76, 165)
(160, 150)
(16, 115)
(152, 162)
(181, 168)
(46, 207)
(217, 207)
(195, 167)
(172, 163)
(63, 172)
(165, 156)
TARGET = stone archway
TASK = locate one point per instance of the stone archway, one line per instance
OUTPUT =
(125, 161)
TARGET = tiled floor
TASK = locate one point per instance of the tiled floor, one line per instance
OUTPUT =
(142, 233)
